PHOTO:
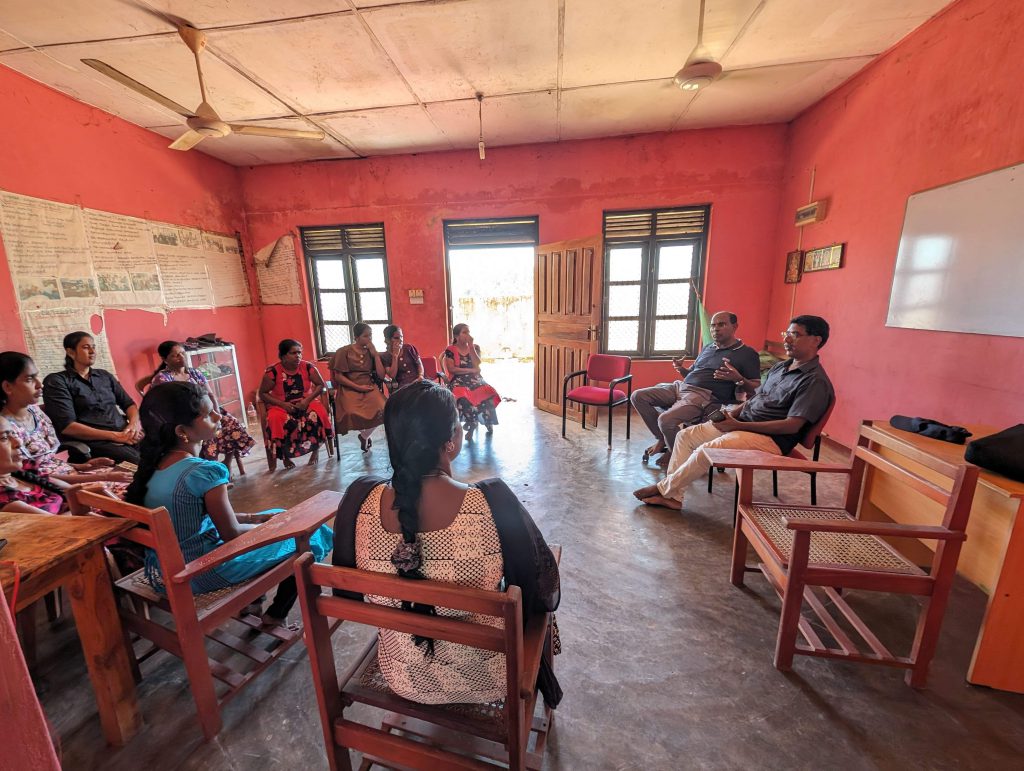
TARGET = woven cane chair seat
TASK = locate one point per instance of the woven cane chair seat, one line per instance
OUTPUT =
(137, 584)
(845, 549)
(489, 716)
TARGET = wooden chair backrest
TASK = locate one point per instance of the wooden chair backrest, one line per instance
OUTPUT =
(504, 605)
(956, 501)
(154, 528)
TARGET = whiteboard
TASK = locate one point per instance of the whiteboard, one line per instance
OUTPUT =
(960, 266)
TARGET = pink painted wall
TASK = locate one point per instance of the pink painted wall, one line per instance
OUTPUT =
(567, 185)
(943, 105)
(56, 148)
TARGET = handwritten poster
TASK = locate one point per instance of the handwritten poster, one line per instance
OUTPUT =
(277, 271)
(48, 253)
(123, 259)
(180, 255)
(224, 266)
(44, 337)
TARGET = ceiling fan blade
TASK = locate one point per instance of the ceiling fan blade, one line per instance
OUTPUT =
(187, 141)
(269, 131)
(134, 85)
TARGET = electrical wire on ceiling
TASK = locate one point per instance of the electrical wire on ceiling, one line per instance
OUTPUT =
(480, 116)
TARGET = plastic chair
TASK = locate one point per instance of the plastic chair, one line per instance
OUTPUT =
(604, 368)
(431, 371)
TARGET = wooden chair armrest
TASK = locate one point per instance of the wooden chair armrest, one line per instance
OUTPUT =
(862, 527)
(756, 459)
(301, 519)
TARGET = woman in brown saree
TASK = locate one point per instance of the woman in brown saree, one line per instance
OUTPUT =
(360, 403)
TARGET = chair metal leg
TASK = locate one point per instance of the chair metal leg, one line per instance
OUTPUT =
(564, 407)
(583, 422)
(814, 488)
(610, 408)
(775, 483)
(711, 478)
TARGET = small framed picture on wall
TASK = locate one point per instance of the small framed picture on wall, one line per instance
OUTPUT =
(794, 267)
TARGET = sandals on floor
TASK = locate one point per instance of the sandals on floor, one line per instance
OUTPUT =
(366, 443)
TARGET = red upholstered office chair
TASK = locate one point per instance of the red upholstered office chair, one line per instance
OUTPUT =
(604, 368)
(430, 370)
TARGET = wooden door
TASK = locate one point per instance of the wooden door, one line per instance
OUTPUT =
(567, 288)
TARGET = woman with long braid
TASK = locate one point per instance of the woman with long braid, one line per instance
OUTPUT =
(177, 418)
(423, 524)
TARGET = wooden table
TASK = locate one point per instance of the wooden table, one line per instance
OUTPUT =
(53, 551)
(992, 557)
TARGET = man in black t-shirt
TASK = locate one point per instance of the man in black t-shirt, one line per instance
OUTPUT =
(721, 367)
(89, 405)
(795, 394)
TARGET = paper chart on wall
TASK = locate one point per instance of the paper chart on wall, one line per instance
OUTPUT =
(180, 255)
(277, 272)
(44, 337)
(123, 260)
(224, 266)
(47, 252)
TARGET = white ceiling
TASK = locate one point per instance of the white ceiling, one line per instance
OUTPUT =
(400, 76)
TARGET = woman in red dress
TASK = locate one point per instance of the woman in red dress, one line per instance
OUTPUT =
(297, 422)
(476, 400)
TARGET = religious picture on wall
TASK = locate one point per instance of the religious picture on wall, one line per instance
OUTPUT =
(794, 267)
(825, 258)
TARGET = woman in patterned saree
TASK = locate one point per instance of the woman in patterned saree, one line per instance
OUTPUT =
(232, 441)
(476, 399)
(297, 422)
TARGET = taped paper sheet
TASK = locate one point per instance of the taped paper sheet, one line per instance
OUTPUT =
(179, 253)
(48, 253)
(124, 260)
(44, 337)
(224, 266)
(277, 271)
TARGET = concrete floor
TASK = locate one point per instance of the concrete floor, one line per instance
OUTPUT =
(666, 664)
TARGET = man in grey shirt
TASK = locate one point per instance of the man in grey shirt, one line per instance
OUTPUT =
(721, 367)
(795, 395)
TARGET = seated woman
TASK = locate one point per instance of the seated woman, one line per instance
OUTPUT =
(17, 494)
(20, 390)
(477, 400)
(401, 361)
(297, 422)
(89, 405)
(360, 404)
(422, 524)
(232, 440)
(177, 418)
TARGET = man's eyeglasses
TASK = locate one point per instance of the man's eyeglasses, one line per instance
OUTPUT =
(795, 335)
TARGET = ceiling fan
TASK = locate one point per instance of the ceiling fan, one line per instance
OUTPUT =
(204, 121)
(700, 69)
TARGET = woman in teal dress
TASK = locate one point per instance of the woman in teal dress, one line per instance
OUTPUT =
(177, 418)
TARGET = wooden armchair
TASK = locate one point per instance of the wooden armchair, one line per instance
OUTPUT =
(197, 620)
(804, 548)
(442, 736)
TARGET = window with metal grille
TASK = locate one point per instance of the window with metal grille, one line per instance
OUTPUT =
(348, 281)
(653, 260)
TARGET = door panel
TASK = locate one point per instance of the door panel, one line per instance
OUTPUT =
(568, 290)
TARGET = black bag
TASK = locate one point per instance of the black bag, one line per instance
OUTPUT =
(930, 428)
(1002, 452)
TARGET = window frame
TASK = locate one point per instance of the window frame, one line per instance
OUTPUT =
(348, 256)
(647, 313)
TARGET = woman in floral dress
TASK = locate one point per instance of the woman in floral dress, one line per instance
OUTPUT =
(297, 421)
(476, 400)
(232, 440)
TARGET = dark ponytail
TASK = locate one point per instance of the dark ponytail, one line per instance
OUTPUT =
(418, 420)
(164, 407)
(12, 365)
(71, 340)
(163, 351)
(457, 330)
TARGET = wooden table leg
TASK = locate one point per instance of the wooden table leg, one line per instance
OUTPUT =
(103, 643)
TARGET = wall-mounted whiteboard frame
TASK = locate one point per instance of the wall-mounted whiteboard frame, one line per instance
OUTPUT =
(960, 266)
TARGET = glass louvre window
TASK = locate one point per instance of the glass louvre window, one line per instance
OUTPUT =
(348, 282)
(653, 261)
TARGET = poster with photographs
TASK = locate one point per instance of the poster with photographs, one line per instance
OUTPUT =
(123, 260)
(47, 252)
(180, 255)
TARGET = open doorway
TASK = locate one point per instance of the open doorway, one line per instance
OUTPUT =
(490, 266)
